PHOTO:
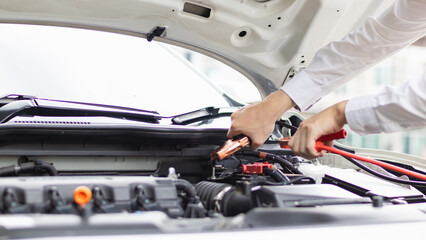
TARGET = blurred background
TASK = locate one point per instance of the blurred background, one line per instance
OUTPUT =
(393, 71)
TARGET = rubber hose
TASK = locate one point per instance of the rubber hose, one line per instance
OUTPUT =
(9, 170)
(278, 175)
(186, 187)
(282, 161)
(31, 166)
(28, 167)
(49, 168)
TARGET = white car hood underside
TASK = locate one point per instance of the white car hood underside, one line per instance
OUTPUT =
(262, 39)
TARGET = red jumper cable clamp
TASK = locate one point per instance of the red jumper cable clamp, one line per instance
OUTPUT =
(333, 136)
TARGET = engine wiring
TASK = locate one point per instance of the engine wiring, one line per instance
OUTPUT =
(353, 159)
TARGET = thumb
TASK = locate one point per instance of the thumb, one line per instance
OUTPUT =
(232, 133)
(328, 143)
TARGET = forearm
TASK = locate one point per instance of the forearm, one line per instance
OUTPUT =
(277, 103)
(340, 61)
(392, 109)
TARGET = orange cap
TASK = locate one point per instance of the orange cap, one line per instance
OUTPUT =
(82, 195)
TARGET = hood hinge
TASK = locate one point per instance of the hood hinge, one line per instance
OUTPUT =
(293, 71)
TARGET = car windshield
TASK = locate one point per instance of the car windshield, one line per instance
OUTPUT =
(98, 67)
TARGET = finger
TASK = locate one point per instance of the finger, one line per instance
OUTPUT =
(313, 151)
(303, 134)
(304, 142)
(315, 154)
(309, 142)
(232, 133)
(310, 145)
(255, 146)
(329, 143)
(234, 115)
(300, 143)
(310, 154)
(293, 144)
(234, 130)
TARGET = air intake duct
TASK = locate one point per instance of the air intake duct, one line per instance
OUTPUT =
(225, 198)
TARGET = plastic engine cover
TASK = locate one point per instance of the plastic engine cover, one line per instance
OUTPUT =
(109, 194)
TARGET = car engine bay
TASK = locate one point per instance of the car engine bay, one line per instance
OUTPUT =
(140, 178)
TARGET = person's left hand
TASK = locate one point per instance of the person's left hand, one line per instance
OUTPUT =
(257, 121)
(327, 121)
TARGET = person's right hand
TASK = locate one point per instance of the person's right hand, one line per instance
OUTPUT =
(257, 121)
(325, 122)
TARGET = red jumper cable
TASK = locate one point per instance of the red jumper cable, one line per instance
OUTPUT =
(319, 146)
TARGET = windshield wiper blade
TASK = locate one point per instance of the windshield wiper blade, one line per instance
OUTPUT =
(43, 107)
(202, 114)
(15, 97)
(213, 112)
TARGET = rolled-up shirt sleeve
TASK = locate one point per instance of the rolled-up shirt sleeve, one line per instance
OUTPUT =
(392, 109)
(338, 62)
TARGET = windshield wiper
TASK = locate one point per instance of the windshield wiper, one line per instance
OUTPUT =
(202, 114)
(20, 105)
(212, 112)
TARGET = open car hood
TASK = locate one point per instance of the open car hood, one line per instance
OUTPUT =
(263, 39)
(71, 169)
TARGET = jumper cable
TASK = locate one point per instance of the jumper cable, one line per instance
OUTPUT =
(236, 143)
(319, 146)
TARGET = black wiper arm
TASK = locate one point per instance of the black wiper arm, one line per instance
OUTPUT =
(42, 107)
(201, 114)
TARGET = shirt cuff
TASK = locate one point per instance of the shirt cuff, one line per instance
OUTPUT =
(360, 115)
(302, 90)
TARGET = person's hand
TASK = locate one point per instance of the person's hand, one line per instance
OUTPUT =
(257, 121)
(327, 121)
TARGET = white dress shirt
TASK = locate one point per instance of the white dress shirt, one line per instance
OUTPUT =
(392, 109)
